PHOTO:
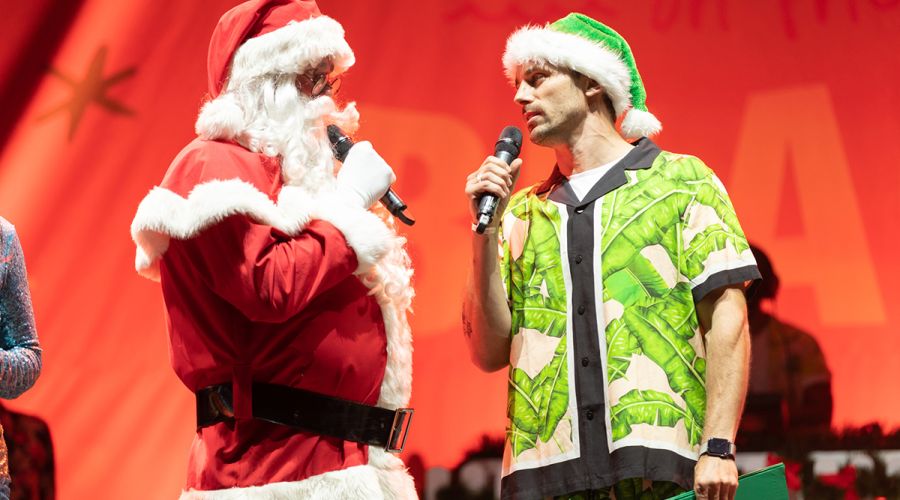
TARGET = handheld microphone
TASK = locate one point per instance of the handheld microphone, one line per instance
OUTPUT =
(340, 145)
(507, 150)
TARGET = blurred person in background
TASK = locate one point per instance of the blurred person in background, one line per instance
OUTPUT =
(32, 466)
(20, 352)
(790, 383)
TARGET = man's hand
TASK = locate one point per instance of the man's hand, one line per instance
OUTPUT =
(715, 478)
(365, 176)
(494, 177)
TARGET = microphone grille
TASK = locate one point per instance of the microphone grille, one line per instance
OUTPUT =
(340, 143)
(335, 134)
(510, 140)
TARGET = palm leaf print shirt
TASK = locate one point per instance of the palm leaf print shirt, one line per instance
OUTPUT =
(607, 375)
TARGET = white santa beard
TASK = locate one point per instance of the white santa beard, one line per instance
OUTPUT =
(297, 134)
(269, 116)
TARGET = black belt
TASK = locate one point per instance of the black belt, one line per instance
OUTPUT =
(311, 412)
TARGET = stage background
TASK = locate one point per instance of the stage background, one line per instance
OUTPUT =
(793, 103)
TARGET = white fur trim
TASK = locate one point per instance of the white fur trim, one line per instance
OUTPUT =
(638, 123)
(221, 117)
(362, 482)
(292, 49)
(163, 214)
(594, 60)
(391, 284)
(393, 479)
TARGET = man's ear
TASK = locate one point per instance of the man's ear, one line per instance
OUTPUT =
(593, 88)
(599, 99)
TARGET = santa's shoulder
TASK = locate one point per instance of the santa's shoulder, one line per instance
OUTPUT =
(202, 161)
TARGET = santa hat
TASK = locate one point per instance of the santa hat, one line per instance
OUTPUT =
(582, 44)
(262, 37)
(259, 38)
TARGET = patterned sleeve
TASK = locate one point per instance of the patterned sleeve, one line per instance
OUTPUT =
(715, 252)
(20, 353)
(512, 233)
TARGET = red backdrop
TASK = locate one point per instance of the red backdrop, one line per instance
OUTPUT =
(794, 104)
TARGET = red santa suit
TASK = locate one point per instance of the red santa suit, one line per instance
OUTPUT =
(264, 283)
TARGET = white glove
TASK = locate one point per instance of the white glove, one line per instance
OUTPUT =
(365, 176)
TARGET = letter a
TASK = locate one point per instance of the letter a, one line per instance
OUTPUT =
(832, 256)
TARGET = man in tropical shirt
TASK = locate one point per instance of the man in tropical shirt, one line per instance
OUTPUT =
(617, 295)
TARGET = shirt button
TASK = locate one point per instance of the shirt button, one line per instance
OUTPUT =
(589, 415)
(578, 259)
(579, 210)
(585, 361)
(580, 309)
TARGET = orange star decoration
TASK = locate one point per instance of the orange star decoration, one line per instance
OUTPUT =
(92, 88)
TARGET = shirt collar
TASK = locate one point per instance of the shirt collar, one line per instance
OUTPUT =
(640, 157)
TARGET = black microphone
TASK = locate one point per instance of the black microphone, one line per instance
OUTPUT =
(340, 145)
(507, 150)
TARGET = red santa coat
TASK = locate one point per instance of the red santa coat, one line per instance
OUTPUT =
(262, 283)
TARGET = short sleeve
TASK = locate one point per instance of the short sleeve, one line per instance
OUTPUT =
(715, 252)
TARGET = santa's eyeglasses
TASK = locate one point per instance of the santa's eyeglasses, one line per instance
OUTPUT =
(314, 83)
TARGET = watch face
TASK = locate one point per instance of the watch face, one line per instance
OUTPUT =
(718, 447)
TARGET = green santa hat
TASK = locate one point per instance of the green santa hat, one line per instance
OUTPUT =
(595, 50)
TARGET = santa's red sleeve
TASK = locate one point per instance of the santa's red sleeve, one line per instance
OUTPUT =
(265, 274)
(261, 245)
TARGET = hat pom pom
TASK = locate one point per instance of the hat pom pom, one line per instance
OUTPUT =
(220, 118)
(639, 123)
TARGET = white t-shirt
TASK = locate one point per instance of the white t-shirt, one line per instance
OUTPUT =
(582, 182)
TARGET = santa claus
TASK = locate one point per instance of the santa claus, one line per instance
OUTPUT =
(286, 296)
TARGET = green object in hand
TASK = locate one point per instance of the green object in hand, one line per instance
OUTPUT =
(768, 483)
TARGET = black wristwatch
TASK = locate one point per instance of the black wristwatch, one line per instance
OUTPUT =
(718, 447)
